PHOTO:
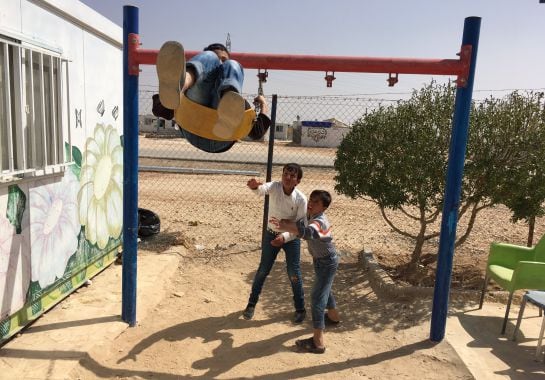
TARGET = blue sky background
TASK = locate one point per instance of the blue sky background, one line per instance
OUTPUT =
(511, 49)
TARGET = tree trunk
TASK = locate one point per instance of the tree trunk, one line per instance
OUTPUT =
(471, 223)
(531, 228)
(417, 252)
(420, 239)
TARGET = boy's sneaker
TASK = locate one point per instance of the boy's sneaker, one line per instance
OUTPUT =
(159, 110)
(248, 312)
(230, 115)
(170, 72)
(299, 316)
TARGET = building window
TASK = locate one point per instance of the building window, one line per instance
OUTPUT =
(33, 111)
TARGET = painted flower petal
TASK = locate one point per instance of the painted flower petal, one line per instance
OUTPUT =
(85, 197)
(100, 137)
(102, 228)
(117, 155)
(91, 146)
(87, 173)
(100, 198)
(117, 176)
(114, 209)
(90, 158)
(91, 224)
(54, 227)
(113, 139)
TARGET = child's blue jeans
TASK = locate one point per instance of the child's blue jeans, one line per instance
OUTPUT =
(213, 77)
(322, 296)
(293, 267)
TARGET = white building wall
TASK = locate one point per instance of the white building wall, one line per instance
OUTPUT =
(322, 137)
(92, 45)
(281, 131)
(9, 9)
(103, 90)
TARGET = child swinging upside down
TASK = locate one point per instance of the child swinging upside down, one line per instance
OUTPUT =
(317, 231)
(203, 96)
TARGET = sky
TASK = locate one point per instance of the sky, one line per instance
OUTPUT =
(511, 53)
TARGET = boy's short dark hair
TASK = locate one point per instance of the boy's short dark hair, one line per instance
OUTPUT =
(323, 196)
(294, 168)
(217, 46)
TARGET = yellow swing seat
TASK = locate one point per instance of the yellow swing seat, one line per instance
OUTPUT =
(200, 120)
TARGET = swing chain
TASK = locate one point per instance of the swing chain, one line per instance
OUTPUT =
(392, 79)
(262, 78)
(329, 78)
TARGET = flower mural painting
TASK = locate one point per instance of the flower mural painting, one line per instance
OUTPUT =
(54, 228)
(14, 267)
(100, 196)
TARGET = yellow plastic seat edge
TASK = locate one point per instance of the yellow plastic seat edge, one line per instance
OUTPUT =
(200, 120)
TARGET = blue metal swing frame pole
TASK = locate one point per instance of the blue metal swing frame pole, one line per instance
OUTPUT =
(453, 187)
(130, 171)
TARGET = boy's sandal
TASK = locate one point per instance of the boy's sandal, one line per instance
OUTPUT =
(170, 66)
(329, 321)
(308, 345)
(230, 114)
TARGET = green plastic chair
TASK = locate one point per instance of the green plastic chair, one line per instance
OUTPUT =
(515, 267)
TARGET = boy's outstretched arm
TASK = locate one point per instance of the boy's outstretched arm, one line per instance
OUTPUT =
(285, 225)
(253, 184)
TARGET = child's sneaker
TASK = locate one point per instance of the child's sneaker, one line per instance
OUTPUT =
(230, 115)
(299, 316)
(159, 110)
(248, 312)
(170, 71)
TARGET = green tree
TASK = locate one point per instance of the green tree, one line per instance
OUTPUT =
(521, 183)
(397, 156)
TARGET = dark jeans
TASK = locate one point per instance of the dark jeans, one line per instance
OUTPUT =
(292, 250)
(322, 296)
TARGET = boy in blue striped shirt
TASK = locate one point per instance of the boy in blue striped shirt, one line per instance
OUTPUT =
(316, 230)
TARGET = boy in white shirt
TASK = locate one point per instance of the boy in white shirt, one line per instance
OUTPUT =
(285, 202)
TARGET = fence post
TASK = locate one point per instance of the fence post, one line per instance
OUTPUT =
(268, 177)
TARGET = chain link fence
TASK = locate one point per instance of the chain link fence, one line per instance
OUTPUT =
(205, 194)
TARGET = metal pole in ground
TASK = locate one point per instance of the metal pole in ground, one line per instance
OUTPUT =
(458, 142)
(130, 166)
(269, 166)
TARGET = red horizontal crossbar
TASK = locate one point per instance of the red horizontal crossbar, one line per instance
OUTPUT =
(459, 67)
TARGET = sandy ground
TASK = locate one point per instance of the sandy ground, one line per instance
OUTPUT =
(189, 326)
(193, 328)
(197, 331)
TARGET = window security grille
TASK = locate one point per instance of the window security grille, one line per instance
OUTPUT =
(33, 111)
